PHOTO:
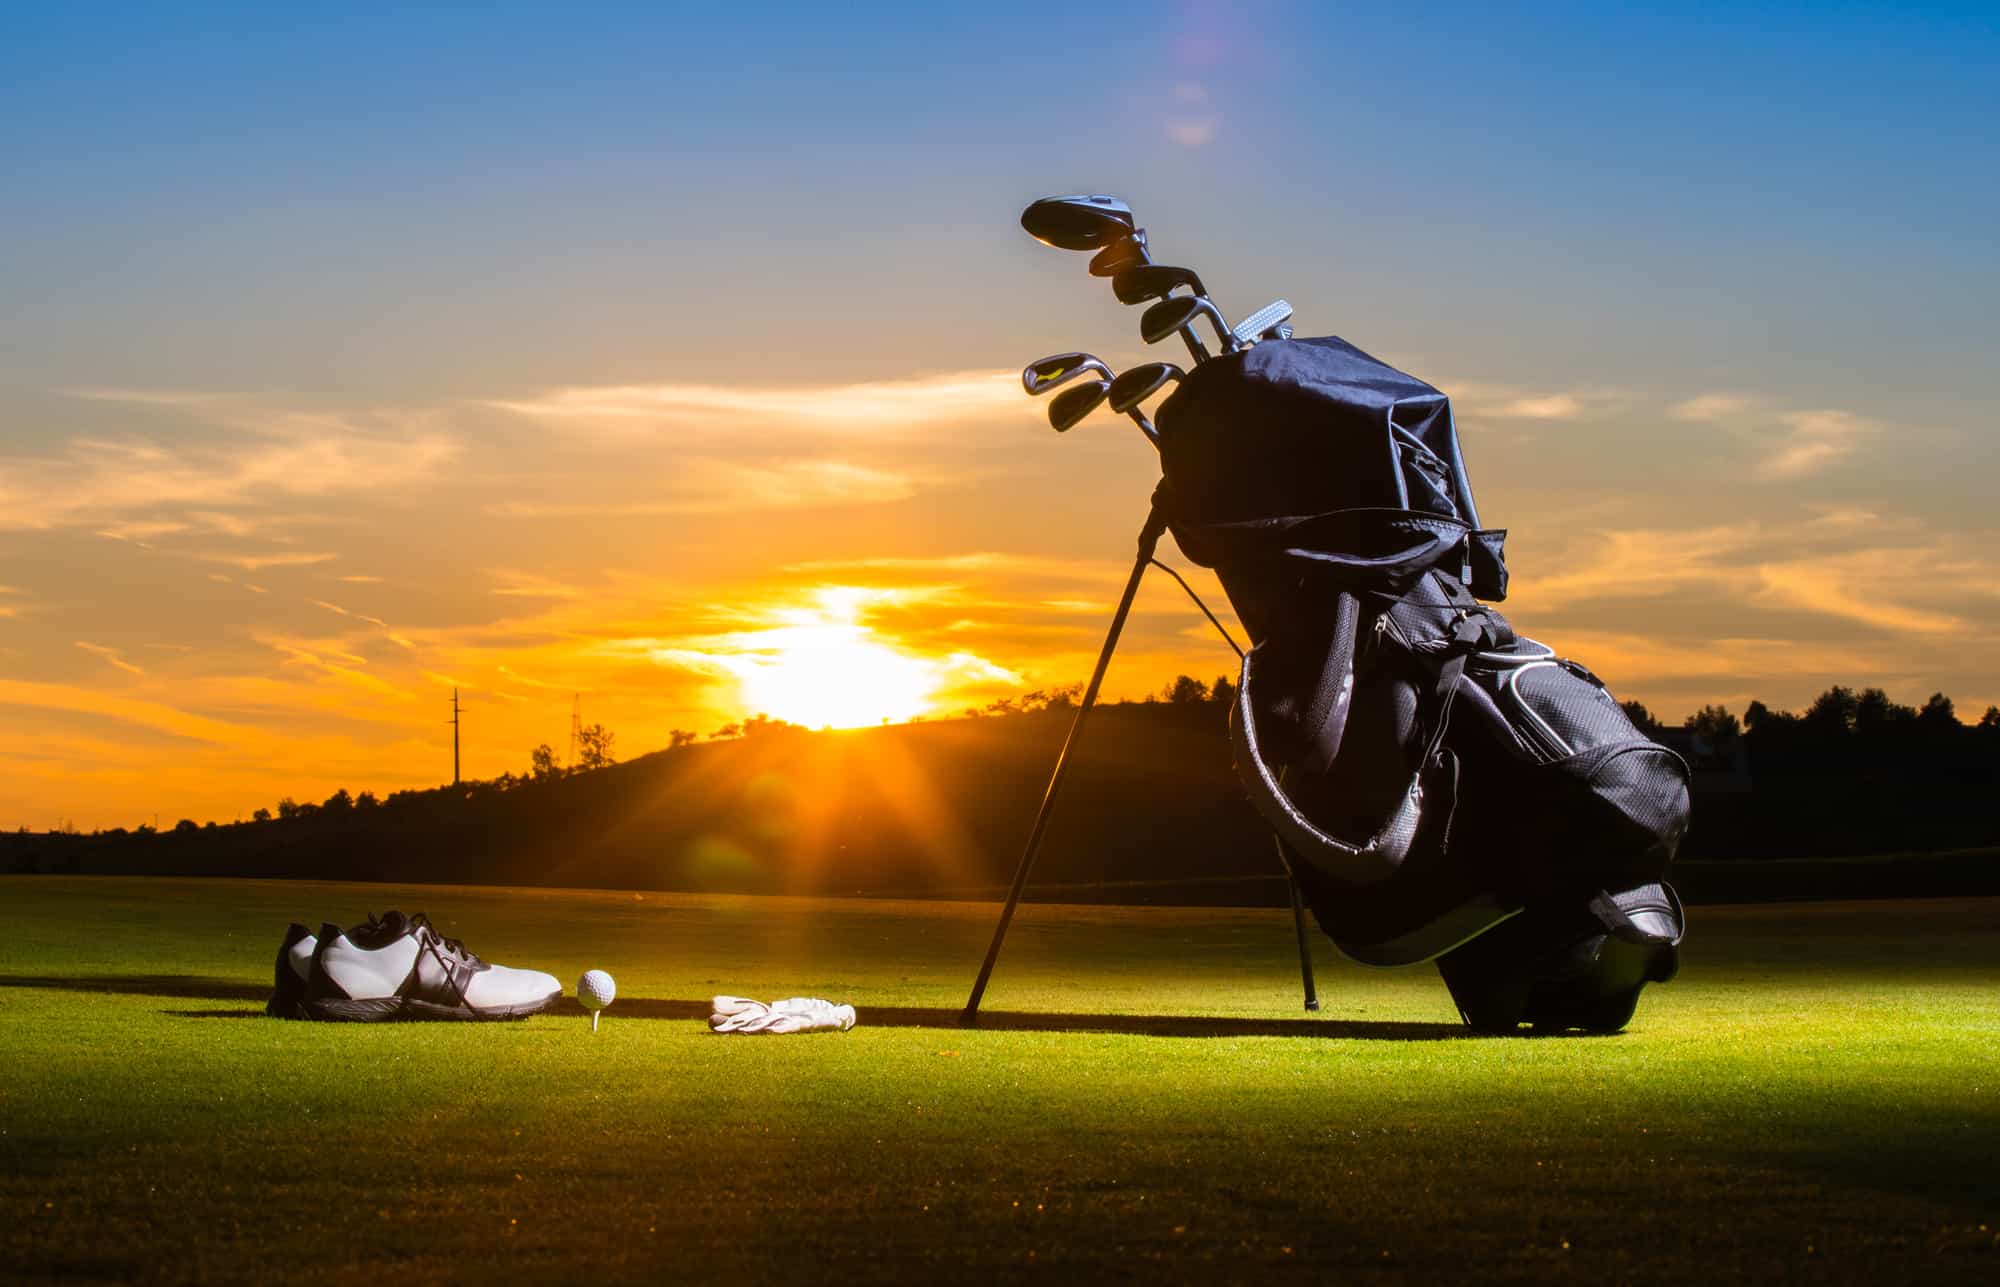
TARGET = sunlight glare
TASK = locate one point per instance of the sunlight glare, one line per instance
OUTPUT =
(826, 668)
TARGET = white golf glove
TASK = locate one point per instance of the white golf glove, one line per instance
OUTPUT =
(793, 1014)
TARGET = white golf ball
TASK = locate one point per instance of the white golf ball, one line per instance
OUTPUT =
(595, 989)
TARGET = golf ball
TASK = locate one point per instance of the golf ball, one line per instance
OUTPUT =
(595, 989)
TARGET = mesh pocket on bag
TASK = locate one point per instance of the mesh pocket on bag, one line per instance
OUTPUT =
(1577, 713)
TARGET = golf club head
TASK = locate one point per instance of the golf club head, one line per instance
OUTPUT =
(1139, 384)
(1120, 255)
(1078, 222)
(1266, 323)
(1072, 405)
(1043, 374)
(1168, 316)
(1141, 282)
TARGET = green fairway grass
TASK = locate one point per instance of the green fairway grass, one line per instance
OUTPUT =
(1817, 1098)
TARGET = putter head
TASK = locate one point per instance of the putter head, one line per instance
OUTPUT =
(1139, 384)
(1072, 405)
(1168, 316)
(1120, 255)
(1141, 282)
(1078, 222)
(1268, 322)
(1043, 374)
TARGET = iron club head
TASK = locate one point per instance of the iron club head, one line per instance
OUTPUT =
(1141, 282)
(1072, 405)
(1170, 315)
(1140, 383)
(1043, 374)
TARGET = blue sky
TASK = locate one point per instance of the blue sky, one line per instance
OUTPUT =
(349, 304)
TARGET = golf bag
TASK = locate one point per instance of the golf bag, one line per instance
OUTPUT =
(1444, 788)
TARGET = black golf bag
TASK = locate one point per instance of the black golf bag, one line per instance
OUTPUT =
(1444, 788)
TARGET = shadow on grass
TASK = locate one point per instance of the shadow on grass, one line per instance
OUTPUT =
(1144, 1025)
(202, 988)
(192, 986)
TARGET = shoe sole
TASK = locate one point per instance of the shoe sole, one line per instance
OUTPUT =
(409, 1009)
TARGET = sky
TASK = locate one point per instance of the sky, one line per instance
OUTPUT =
(661, 362)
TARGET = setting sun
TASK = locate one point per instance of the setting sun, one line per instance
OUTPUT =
(824, 667)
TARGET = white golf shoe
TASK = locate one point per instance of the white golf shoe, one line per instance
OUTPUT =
(400, 967)
(290, 972)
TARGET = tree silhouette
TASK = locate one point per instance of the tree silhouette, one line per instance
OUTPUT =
(1642, 718)
(594, 747)
(1938, 710)
(1714, 724)
(542, 763)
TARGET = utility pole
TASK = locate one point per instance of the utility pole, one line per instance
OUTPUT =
(454, 737)
(575, 727)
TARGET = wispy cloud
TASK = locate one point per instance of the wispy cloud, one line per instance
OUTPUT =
(110, 656)
(1872, 587)
(1810, 566)
(871, 409)
(1816, 438)
(333, 662)
(140, 531)
(1716, 408)
(250, 453)
(258, 562)
(1479, 399)
(1791, 443)
(985, 562)
(344, 612)
(518, 584)
(147, 714)
(707, 486)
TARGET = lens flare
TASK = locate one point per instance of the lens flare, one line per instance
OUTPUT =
(825, 667)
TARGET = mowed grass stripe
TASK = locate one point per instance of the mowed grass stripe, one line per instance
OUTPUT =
(1816, 1096)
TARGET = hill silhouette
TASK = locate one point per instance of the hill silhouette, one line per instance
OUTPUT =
(916, 808)
(1151, 810)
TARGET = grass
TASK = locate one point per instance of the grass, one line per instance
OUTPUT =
(1817, 1097)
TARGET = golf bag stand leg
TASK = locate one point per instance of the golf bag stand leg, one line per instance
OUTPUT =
(1149, 540)
(1299, 925)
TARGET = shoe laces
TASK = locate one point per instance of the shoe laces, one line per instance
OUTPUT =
(422, 923)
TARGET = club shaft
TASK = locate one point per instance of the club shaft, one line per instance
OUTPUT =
(1149, 540)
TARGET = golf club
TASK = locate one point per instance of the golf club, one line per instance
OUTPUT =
(1120, 255)
(1072, 405)
(1104, 225)
(1263, 323)
(1176, 314)
(1139, 384)
(1141, 282)
(1043, 374)
(1079, 222)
